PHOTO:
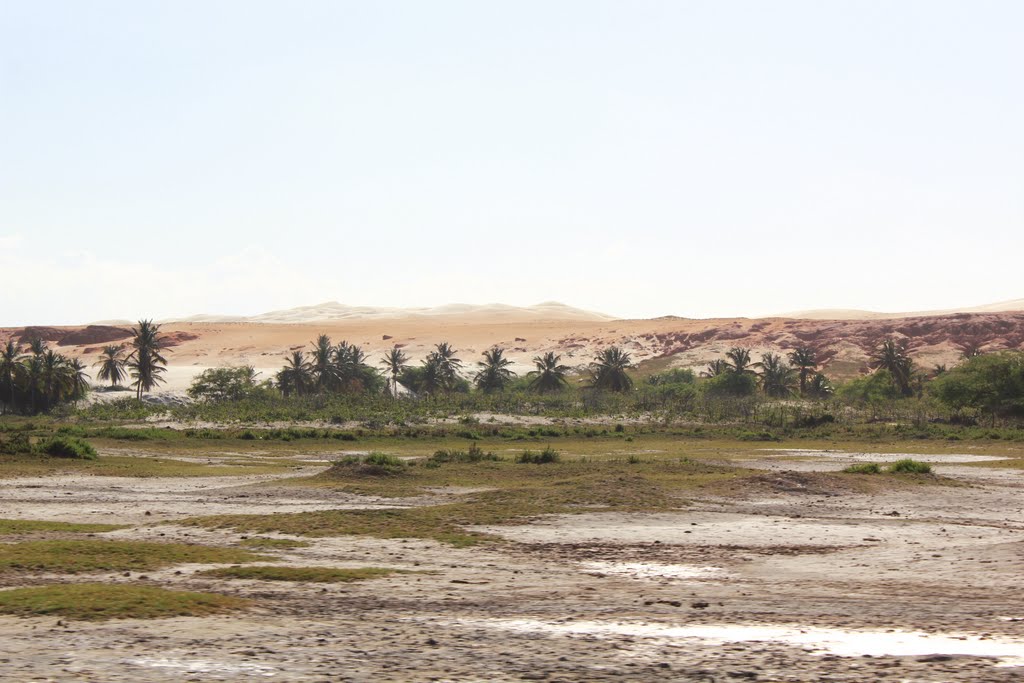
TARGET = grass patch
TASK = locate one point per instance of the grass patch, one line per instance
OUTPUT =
(28, 526)
(301, 574)
(910, 466)
(72, 557)
(863, 468)
(264, 542)
(99, 601)
(559, 487)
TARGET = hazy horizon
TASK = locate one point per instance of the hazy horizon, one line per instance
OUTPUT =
(699, 159)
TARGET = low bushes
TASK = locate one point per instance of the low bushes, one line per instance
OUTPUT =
(548, 455)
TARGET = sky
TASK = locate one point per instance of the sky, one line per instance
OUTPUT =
(641, 158)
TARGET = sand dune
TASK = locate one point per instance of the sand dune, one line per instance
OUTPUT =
(332, 310)
(855, 314)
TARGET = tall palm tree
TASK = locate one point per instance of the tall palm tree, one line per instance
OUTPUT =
(432, 379)
(10, 367)
(395, 362)
(111, 365)
(609, 370)
(777, 378)
(53, 377)
(805, 360)
(296, 377)
(36, 346)
(739, 361)
(448, 366)
(146, 362)
(77, 378)
(549, 374)
(494, 373)
(892, 355)
(31, 373)
(322, 365)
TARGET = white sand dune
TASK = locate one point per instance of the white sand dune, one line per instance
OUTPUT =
(854, 314)
(334, 311)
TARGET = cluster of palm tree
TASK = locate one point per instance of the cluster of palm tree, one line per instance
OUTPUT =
(327, 369)
(37, 378)
(776, 377)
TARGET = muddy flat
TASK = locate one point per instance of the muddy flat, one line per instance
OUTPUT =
(784, 581)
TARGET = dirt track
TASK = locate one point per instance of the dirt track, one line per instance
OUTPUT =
(789, 584)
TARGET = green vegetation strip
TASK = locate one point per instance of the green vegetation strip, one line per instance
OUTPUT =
(99, 601)
(301, 574)
(72, 557)
(527, 491)
(28, 526)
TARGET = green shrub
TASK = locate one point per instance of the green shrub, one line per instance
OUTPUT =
(548, 455)
(15, 444)
(474, 454)
(374, 465)
(910, 466)
(864, 468)
(67, 447)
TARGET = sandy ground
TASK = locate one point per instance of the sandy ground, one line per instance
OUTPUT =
(791, 585)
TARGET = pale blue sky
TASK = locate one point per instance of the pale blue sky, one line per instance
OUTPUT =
(638, 158)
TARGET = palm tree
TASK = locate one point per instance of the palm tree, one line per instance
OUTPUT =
(819, 386)
(739, 361)
(549, 375)
(9, 368)
(969, 349)
(37, 346)
(145, 362)
(447, 364)
(53, 377)
(31, 373)
(296, 376)
(111, 364)
(892, 355)
(805, 360)
(432, 379)
(717, 367)
(395, 361)
(608, 371)
(494, 374)
(322, 365)
(776, 377)
(77, 378)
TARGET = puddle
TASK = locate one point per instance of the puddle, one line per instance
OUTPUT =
(816, 641)
(647, 570)
(205, 666)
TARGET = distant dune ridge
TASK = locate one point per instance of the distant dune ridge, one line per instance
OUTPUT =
(853, 314)
(332, 310)
(843, 341)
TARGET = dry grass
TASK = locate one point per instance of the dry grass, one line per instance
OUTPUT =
(99, 601)
(72, 557)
